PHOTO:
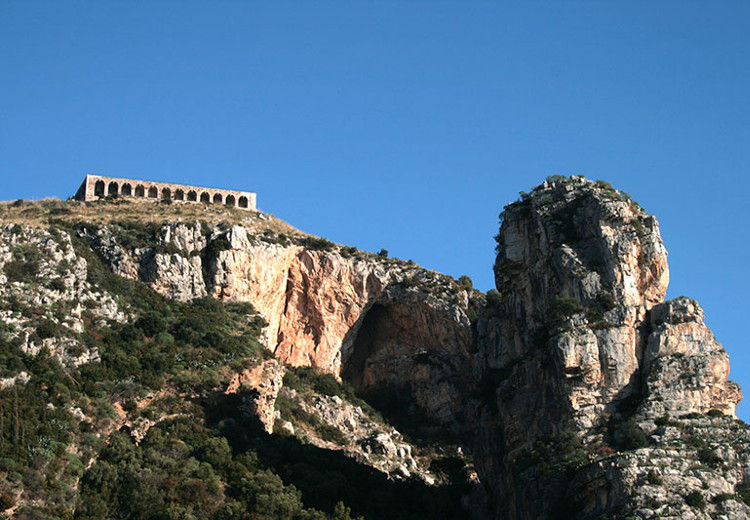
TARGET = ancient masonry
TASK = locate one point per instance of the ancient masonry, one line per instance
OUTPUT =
(96, 187)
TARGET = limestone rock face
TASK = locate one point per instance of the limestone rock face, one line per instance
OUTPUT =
(40, 271)
(365, 440)
(578, 353)
(569, 381)
(578, 268)
(391, 328)
(260, 386)
(686, 369)
(258, 274)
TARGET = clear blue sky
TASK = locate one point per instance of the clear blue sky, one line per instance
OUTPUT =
(401, 125)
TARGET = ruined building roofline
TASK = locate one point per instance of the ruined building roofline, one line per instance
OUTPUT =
(95, 187)
(158, 183)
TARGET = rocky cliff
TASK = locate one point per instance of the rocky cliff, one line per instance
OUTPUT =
(575, 388)
(580, 356)
(394, 330)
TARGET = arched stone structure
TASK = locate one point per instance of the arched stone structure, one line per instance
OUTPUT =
(97, 186)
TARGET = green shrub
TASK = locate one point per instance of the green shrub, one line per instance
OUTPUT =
(742, 491)
(494, 298)
(465, 282)
(630, 436)
(695, 499)
(557, 178)
(332, 434)
(723, 497)
(19, 270)
(665, 420)
(563, 306)
(348, 251)
(7, 500)
(151, 324)
(409, 282)
(217, 245)
(383, 253)
(318, 243)
(654, 478)
(709, 457)
(47, 329)
(606, 300)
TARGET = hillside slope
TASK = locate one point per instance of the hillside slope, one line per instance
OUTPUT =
(179, 361)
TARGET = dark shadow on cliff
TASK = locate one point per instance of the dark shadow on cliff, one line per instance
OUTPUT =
(389, 365)
(326, 477)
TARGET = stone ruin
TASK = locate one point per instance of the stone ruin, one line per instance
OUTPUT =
(97, 187)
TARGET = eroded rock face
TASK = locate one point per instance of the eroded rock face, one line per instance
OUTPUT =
(40, 271)
(367, 441)
(566, 383)
(686, 369)
(260, 386)
(578, 268)
(578, 343)
(320, 306)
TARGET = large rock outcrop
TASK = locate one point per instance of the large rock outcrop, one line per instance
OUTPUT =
(578, 351)
(399, 333)
(581, 391)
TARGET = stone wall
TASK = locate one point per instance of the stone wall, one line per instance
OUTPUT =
(95, 187)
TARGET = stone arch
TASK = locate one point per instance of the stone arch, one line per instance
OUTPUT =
(192, 196)
(205, 197)
(127, 190)
(99, 188)
(112, 189)
(230, 201)
(179, 194)
(243, 202)
(166, 194)
(140, 191)
(153, 192)
(217, 198)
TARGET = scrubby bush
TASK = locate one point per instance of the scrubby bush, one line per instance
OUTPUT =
(465, 282)
(7, 500)
(742, 491)
(151, 324)
(563, 306)
(654, 478)
(695, 499)
(47, 329)
(494, 298)
(19, 270)
(709, 457)
(348, 251)
(317, 243)
(630, 436)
